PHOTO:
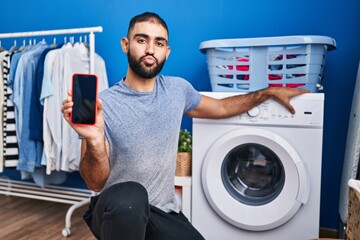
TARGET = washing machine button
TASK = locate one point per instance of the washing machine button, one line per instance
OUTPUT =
(254, 112)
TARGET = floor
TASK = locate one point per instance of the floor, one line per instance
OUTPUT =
(28, 219)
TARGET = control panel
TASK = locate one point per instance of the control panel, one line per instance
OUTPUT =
(309, 112)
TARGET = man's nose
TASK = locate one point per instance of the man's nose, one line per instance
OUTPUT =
(150, 48)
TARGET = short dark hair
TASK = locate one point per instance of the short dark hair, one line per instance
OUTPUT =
(147, 17)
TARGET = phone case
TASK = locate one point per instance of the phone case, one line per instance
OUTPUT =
(89, 88)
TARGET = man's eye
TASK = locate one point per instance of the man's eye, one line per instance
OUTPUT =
(141, 40)
(160, 44)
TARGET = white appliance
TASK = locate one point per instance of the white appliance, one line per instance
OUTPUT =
(257, 175)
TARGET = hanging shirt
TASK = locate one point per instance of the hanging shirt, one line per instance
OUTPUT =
(29, 151)
(53, 75)
(14, 62)
(61, 143)
(76, 60)
(11, 149)
(2, 56)
(37, 109)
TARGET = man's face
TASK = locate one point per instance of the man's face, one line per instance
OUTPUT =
(147, 49)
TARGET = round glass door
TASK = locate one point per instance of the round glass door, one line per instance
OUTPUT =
(253, 174)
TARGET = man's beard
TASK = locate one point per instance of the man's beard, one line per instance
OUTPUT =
(141, 70)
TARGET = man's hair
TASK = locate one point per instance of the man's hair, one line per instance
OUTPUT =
(147, 17)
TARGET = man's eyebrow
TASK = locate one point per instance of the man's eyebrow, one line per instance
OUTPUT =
(161, 39)
(147, 36)
(141, 35)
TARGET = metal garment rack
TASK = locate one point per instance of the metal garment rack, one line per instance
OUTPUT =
(76, 197)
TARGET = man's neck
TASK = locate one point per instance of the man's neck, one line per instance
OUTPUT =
(139, 84)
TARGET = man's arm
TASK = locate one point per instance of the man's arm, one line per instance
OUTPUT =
(235, 105)
(94, 163)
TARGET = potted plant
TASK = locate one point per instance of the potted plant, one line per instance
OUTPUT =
(183, 162)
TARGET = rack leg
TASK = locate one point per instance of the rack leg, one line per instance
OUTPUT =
(66, 231)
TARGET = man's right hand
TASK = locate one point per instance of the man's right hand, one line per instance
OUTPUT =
(90, 132)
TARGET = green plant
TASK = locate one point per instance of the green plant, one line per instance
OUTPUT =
(185, 141)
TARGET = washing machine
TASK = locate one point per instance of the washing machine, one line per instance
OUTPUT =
(257, 175)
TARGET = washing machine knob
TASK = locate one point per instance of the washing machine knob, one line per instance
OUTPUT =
(254, 112)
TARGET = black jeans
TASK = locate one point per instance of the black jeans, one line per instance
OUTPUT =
(122, 211)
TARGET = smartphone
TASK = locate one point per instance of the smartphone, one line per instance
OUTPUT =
(84, 95)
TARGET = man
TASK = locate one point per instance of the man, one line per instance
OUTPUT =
(130, 153)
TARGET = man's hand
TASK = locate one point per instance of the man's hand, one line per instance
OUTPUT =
(284, 95)
(88, 132)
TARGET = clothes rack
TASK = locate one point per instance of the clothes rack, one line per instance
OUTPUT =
(74, 196)
(90, 30)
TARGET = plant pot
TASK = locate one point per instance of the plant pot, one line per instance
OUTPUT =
(183, 164)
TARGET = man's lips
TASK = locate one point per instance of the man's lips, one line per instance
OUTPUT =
(149, 60)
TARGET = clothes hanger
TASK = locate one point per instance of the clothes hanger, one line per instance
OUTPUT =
(14, 47)
(1, 48)
(81, 41)
(53, 45)
(22, 47)
(76, 43)
(86, 42)
(66, 43)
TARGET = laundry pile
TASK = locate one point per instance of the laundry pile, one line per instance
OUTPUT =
(243, 71)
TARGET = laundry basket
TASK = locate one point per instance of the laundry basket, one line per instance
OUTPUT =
(250, 64)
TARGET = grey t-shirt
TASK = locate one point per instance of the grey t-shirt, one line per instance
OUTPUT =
(143, 130)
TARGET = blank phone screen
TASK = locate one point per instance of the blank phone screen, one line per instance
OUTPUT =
(84, 97)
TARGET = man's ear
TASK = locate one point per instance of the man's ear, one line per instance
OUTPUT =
(168, 52)
(125, 44)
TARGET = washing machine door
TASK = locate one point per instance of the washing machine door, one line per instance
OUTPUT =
(254, 179)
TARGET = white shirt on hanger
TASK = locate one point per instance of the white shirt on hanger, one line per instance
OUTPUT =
(76, 60)
(61, 143)
(51, 88)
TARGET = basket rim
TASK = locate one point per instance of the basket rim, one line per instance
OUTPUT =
(269, 41)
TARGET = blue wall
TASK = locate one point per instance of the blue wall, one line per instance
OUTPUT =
(193, 21)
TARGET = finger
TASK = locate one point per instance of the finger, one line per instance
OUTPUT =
(99, 104)
(67, 106)
(69, 98)
(306, 90)
(302, 91)
(63, 106)
(291, 109)
(67, 109)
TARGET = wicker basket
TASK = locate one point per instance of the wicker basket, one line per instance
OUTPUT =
(353, 218)
(183, 164)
